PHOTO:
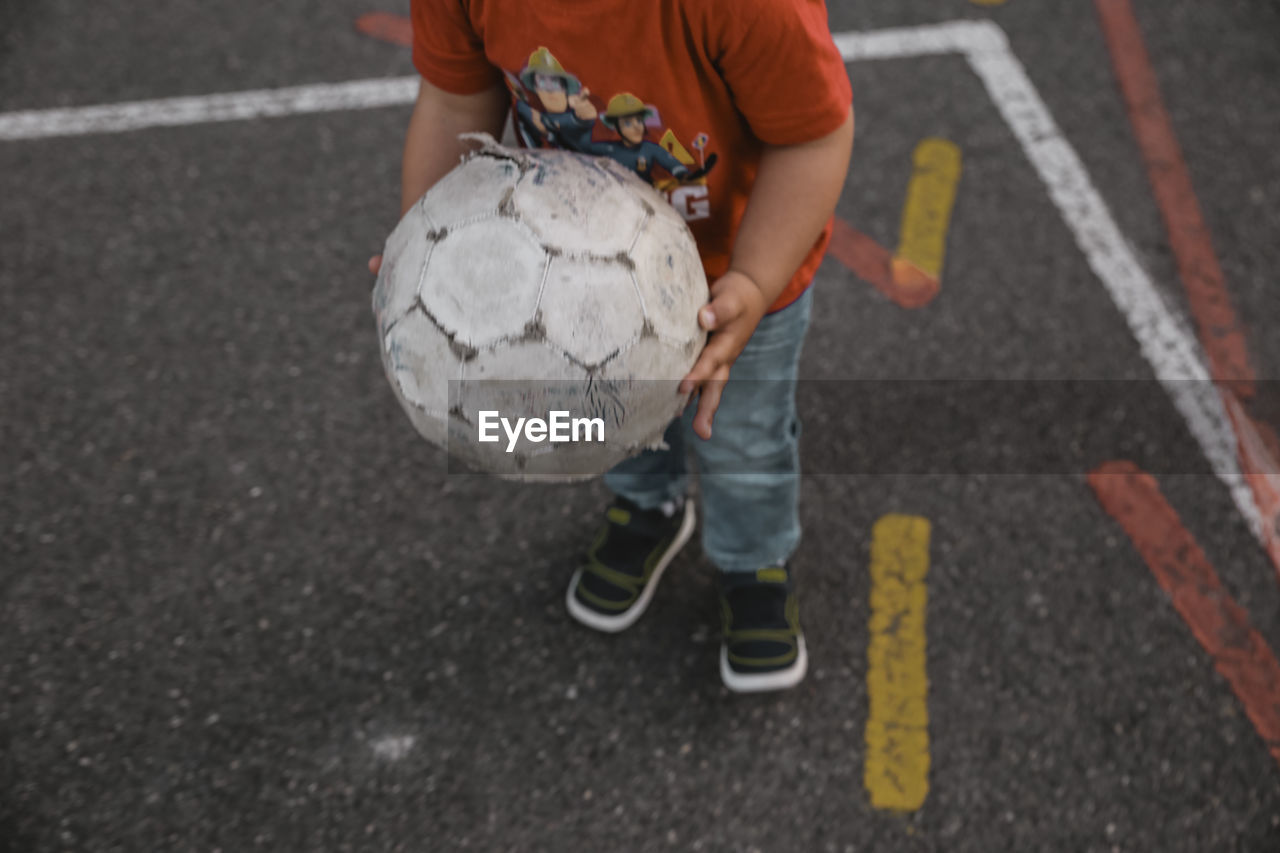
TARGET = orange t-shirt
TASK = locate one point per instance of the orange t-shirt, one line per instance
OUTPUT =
(686, 92)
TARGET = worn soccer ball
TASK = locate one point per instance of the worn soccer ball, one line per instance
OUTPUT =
(540, 285)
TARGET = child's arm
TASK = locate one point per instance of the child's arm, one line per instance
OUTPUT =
(794, 195)
(431, 145)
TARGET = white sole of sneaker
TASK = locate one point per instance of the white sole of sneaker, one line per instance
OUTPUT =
(781, 679)
(623, 621)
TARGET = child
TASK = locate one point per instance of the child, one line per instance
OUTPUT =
(760, 92)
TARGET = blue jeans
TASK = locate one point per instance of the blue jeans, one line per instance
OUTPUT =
(750, 468)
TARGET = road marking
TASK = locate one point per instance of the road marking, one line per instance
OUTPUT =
(874, 264)
(384, 26)
(1167, 346)
(1221, 334)
(896, 770)
(1239, 653)
(1164, 341)
(1220, 331)
(1262, 473)
(200, 109)
(926, 216)
(910, 276)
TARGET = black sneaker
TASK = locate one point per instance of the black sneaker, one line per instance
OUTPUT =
(763, 647)
(626, 561)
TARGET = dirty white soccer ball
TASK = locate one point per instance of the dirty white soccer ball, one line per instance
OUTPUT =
(542, 282)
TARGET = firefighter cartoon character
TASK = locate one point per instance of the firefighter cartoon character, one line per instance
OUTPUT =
(525, 131)
(627, 115)
(567, 114)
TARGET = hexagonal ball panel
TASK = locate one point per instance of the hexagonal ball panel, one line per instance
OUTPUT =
(529, 362)
(671, 281)
(526, 379)
(474, 189)
(668, 212)
(521, 380)
(419, 362)
(653, 360)
(620, 173)
(648, 377)
(403, 258)
(482, 281)
(575, 206)
(590, 308)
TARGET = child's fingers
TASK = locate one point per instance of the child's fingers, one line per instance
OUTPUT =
(375, 264)
(721, 351)
(709, 402)
(702, 370)
(723, 309)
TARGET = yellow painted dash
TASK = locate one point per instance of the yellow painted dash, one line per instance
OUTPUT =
(896, 772)
(927, 213)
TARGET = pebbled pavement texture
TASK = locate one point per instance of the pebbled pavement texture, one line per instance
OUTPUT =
(243, 607)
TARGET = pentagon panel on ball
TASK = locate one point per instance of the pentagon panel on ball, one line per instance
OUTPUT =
(539, 288)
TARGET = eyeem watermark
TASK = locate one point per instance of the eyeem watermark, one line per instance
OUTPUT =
(559, 427)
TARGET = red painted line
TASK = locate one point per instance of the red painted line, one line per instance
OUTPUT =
(383, 26)
(899, 280)
(1220, 331)
(1239, 653)
(1258, 462)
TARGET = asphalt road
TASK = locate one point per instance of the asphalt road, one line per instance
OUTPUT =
(243, 607)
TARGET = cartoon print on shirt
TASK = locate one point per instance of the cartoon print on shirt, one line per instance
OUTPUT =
(627, 115)
(569, 120)
(567, 114)
(525, 132)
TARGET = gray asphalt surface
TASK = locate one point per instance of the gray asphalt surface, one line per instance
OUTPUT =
(243, 607)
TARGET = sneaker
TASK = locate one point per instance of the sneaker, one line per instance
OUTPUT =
(763, 647)
(625, 563)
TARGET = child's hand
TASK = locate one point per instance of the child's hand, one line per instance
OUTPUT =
(582, 106)
(375, 264)
(736, 306)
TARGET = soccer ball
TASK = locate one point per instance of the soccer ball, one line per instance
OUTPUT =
(540, 285)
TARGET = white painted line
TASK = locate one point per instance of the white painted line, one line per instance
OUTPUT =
(1164, 339)
(1168, 346)
(233, 106)
(1165, 342)
(928, 40)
